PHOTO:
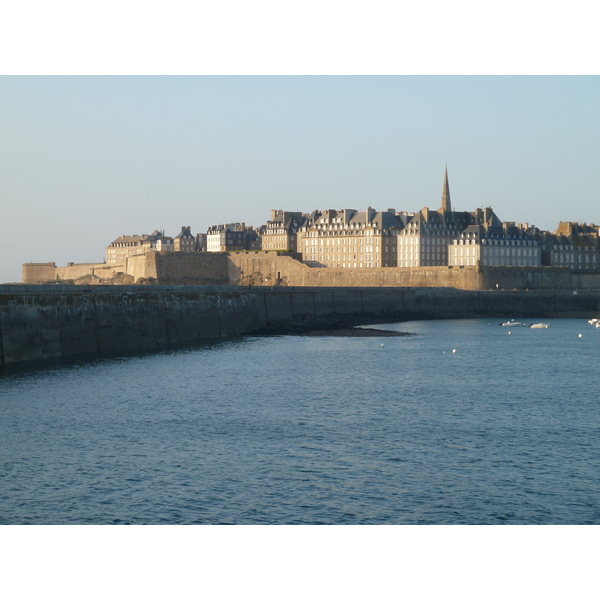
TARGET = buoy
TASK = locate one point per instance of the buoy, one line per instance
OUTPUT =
(382, 346)
(454, 351)
(509, 333)
(580, 335)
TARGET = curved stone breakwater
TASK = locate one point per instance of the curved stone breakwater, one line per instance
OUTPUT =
(42, 322)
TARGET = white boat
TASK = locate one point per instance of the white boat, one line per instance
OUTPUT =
(539, 326)
(511, 323)
(594, 322)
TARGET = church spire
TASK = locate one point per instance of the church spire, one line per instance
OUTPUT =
(446, 206)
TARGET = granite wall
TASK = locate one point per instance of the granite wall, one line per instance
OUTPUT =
(41, 322)
(268, 269)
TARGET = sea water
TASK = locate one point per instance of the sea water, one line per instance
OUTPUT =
(314, 430)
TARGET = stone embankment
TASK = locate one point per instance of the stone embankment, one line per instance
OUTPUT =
(42, 322)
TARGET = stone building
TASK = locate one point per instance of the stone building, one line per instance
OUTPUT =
(557, 250)
(230, 237)
(184, 241)
(425, 239)
(280, 233)
(350, 239)
(489, 245)
(254, 238)
(200, 242)
(131, 245)
(164, 244)
(572, 245)
(585, 239)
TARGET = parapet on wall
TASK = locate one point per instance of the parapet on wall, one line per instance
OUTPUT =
(40, 273)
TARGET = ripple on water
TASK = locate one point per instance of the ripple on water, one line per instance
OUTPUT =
(313, 430)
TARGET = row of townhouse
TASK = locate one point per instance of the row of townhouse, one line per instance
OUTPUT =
(349, 239)
(231, 237)
(126, 246)
(495, 245)
(573, 245)
(442, 238)
(280, 233)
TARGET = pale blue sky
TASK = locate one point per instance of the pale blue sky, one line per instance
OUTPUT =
(87, 159)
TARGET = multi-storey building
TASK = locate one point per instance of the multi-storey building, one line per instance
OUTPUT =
(557, 250)
(200, 242)
(184, 241)
(586, 240)
(573, 245)
(425, 239)
(253, 238)
(494, 245)
(350, 239)
(164, 244)
(131, 245)
(280, 233)
(231, 237)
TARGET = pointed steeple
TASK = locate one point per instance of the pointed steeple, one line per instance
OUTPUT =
(446, 206)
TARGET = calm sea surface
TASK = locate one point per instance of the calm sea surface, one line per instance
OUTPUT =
(309, 430)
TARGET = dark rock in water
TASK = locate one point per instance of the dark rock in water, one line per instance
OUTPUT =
(334, 325)
(358, 332)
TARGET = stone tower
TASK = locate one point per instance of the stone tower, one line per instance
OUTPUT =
(446, 206)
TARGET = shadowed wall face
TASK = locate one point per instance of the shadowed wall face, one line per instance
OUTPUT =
(44, 322)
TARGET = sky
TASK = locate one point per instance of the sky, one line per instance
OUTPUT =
(85, 159)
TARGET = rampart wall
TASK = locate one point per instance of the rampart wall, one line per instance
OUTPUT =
(100, 271)
(270, 269)
(34, 273)
(42, 322)
(40, 273)
(205, 268)
(257, 268)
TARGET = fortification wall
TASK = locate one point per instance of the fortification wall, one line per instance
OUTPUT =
(41, 322)
(34, 273)
(264, 269)
(100, 271)
(137, 267)
(269, 269)
(585, 281)
(196, 268)
(531, 278)
(40, 273)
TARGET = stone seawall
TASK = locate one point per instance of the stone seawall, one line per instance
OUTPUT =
(40, 322)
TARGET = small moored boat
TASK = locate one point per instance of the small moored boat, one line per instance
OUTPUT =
(539, 326)
(511, 323)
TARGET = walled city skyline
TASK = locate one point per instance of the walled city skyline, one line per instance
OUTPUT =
(346, 239)
(86, 159)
